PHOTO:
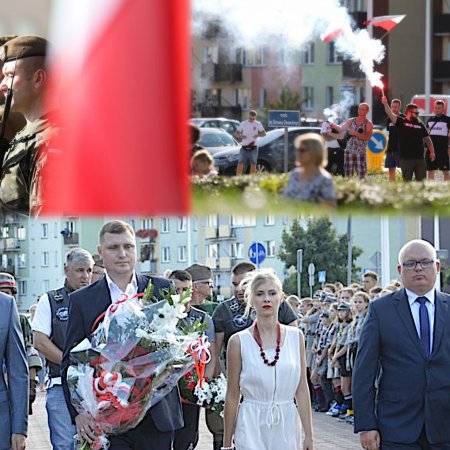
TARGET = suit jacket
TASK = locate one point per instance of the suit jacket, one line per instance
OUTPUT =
(14, 396)
(397, 388)
(86, 305)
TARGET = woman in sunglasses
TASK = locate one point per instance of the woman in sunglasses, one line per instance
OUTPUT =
(309, 181)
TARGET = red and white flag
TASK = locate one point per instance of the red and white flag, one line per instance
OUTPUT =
(385, 22)
(329, 35)
(123, 74)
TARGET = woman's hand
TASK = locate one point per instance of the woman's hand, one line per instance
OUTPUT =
(308, 443)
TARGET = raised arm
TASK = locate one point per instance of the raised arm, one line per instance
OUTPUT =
(388, 110)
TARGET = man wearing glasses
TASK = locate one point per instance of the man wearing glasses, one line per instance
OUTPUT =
(401, 383)
(202, 288)
(412, 136)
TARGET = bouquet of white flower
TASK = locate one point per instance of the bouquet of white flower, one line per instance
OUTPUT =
(133, 359)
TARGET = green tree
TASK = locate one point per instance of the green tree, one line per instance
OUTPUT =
(287, 100)
(322, 246)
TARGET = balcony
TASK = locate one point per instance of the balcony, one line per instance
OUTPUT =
(351, 70)
(148, 267)
(232, 112)
(10, 268)
(441, 25)
(220, 232)
(13, 219)
(224, 263)
(71, 238)
(222, 73)
(441, 70)
(9, 245)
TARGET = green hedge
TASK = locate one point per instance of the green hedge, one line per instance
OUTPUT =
(263, 193)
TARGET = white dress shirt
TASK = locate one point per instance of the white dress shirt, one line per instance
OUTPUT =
(117, 293)
(415, 308)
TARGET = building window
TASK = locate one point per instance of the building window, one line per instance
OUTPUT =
(212, 220)
(44, 230)
(56, 258)
(45, 259)
(251, 57)
(165, 225)
(308, 53)
(165, 251)
(22, 259)
(182, 253)
(213, 250)
(329, 97)
(237, 250)
(334, 57)
(22, 287)
(5, 232)
(243, 221)
(210, 55)
(45, 285)
(21, 233)
(195, 253)
(70, 227)
(181, 224)
(269, 219)
(308, 97)
(270, 248)
(194, 223)
(244, 98)
(147, 224)
(262, 97)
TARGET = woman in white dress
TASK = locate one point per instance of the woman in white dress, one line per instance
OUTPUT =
(266, 366)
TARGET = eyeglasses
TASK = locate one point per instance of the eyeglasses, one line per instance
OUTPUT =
(424, 263)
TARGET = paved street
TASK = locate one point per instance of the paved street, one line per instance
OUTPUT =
(329, 433)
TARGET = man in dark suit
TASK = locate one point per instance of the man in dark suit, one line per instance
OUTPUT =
(401, 378)
(14, 389)
(118, 251)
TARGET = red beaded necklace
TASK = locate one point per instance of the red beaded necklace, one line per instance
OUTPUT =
(258, 340)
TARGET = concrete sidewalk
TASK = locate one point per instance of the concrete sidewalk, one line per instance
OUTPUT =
(329, 433)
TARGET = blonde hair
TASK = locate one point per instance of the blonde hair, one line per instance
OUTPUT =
(315, 144)
(254, 279)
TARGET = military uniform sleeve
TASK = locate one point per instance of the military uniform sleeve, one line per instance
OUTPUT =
(218, 318)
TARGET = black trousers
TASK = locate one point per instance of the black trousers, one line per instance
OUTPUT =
(144, 437)
(186, 438)
(410, 167)
(421, 444)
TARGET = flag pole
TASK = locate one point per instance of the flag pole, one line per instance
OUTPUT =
(368, 88)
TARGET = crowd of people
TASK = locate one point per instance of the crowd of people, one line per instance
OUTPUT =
(418, 149)
(283, 356)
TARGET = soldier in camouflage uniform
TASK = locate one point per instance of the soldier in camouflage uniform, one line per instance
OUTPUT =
(8, 286)
(25, 72)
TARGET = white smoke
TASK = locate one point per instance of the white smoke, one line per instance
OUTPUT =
(289, 24)
(340, 110)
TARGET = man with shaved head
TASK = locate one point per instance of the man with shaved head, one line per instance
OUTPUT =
(401, 383)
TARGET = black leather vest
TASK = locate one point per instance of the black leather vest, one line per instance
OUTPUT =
(59, 304)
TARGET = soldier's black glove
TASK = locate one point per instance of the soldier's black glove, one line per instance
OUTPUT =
(32, 395)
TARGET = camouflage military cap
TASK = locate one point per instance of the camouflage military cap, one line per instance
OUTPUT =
(6, 38)
(23, 47)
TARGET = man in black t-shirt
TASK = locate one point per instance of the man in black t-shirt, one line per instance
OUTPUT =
(439, 129)
(412, 136)
(392, 160)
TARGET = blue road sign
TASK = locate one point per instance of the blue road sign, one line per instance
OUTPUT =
(257, 253)
(378, 142)
(322, 275)
(279, 119)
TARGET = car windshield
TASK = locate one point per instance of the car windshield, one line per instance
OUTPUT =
(216, 140)
(198, 122)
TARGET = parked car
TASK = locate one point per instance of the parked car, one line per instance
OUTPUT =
(270, 152)
(228, 125)
(216, 140)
